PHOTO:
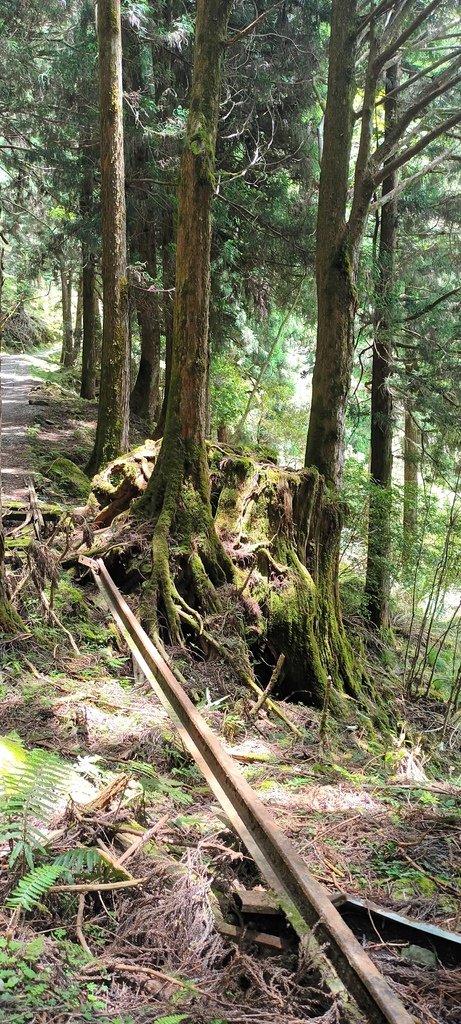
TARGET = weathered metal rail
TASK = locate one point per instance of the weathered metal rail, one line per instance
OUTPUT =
(306, 901)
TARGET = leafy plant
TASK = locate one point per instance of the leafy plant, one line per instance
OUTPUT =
(30, 783)
(151, 781)
(175, 1018)
(30, 889)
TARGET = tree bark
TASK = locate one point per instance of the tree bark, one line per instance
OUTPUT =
(145, 394)
(144, 400)
(66, 302)
(112, 433)
(88, 383)
(377, 585)
(337, 257)
(78, 329)
(411, 460)
(168, 281)
(178, 493)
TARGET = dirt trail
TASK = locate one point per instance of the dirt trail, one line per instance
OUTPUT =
(17, 381)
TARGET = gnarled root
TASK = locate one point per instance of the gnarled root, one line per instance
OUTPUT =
(188, 559)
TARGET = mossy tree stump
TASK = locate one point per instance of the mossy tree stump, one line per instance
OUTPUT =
(284, 529)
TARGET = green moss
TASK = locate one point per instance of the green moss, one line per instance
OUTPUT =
(10, 622)
(72, 479)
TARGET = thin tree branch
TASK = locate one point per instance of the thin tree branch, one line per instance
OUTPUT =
(249, 28)
(441, 85)
(421, 74)
(408, 154)
(431, 305)
(383, 200)
(382, 8)
(394, 46)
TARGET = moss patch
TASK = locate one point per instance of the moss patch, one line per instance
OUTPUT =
(72, 479)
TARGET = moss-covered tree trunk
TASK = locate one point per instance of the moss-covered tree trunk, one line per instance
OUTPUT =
(178, 495)
(113, 411)
(282, 530)
(377, 585)
(338, 245)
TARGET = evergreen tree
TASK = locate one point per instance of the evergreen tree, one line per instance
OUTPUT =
(113, 409)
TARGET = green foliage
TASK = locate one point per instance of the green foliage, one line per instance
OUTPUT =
(30, 785)
(152, 782)
(32, 981)
(31, 888)
(174, 1018)
(82, 860)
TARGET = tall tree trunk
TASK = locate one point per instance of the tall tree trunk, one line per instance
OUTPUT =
(66, 302)
(168, 280)
(112, 433)
(144, 400)
(411, 461)
(78, 329)
(377, 585)
(178, 493)
(88, 384)
(319, 512)
(336, 261)
(145, 394)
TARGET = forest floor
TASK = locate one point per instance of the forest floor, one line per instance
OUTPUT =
(377, 816)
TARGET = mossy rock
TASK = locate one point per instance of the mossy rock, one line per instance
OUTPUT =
(70, 478)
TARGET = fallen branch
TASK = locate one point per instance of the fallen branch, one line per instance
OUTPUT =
(433, 878)
(139, 843)
(98, 886)
(120, 965)
(270, 686)
(106, 795)
(79, 925)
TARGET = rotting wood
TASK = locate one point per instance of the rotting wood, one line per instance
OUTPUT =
(106, 795)
(257, 901)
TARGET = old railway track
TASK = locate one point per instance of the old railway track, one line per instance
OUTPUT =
(364, 993)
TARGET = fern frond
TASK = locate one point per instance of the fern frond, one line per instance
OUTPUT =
(29, 788)
(176, 1018)
(30, 889)
(80, 860)
(152, 782)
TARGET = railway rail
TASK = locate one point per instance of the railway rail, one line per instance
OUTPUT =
(364, 993)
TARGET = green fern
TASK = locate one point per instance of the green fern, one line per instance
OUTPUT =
(82, 860)
(31, 889)
(29, 789)
(176, 1018)
(152, 782)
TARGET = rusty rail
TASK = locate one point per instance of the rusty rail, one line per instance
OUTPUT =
(305, 900)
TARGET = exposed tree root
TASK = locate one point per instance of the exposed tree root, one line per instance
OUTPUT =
(275, 536)
(188, 559)
(285, 532)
